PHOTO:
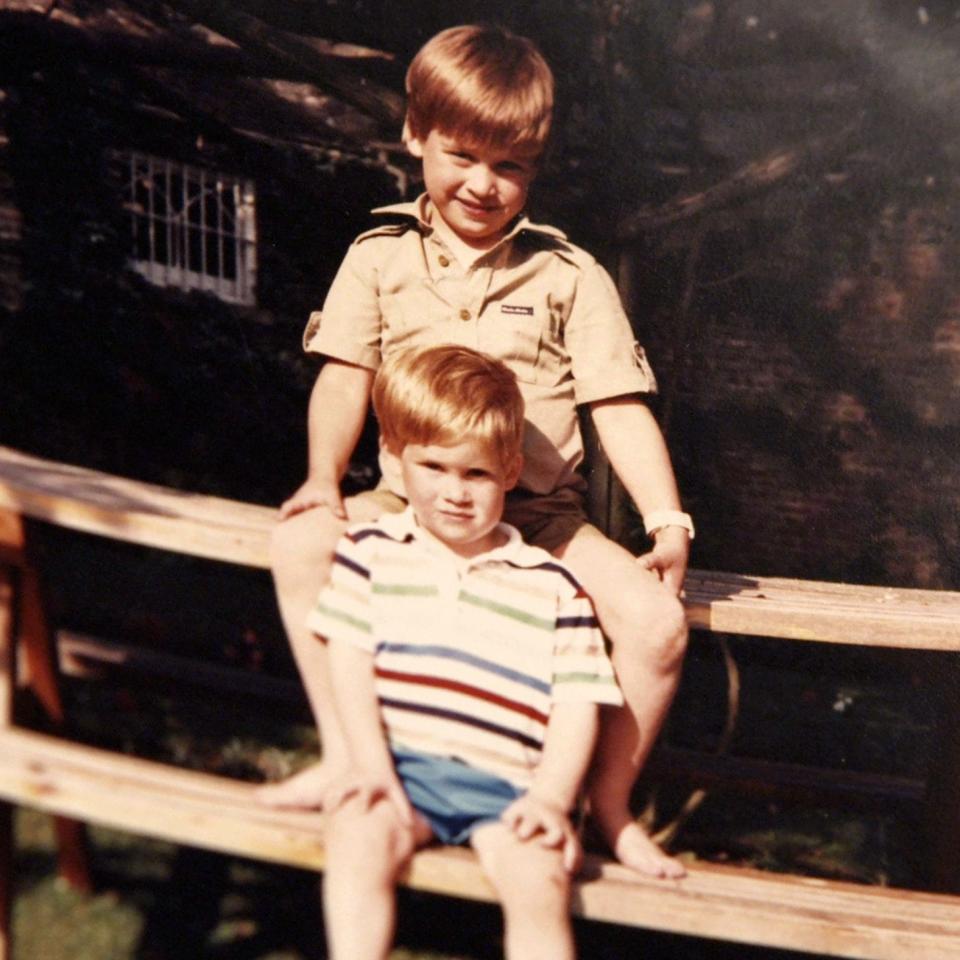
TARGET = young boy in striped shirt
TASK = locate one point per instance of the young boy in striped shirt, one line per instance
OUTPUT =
(467, 669)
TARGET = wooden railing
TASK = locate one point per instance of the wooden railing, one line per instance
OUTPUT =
(82, 783)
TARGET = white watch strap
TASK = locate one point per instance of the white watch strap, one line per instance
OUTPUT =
(658, 519)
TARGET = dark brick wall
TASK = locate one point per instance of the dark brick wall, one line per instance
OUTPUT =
(11, 280)
(814, 413)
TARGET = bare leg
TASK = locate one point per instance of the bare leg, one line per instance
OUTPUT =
(366, 848)
(534, 890)
(301, 554)
(647, 629)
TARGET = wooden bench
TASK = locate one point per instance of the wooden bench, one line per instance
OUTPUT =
(70, 780)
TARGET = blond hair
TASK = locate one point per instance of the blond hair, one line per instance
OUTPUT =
(446, 395)
(481, 83)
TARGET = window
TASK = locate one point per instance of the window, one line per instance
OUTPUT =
(191, 228)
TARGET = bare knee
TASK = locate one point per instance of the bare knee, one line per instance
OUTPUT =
(536, 891)
(527, 877)
(368, 841)
(303, 545)
(651, 628)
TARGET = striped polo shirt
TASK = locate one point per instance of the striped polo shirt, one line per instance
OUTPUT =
(469, 656)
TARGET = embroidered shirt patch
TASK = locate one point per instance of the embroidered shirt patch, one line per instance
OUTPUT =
(516, 309)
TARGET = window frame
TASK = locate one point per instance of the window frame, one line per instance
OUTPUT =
(173, 242)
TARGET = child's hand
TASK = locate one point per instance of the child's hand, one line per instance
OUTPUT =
(314, 493)
(530, 816)
(668, 558)
(366, 788)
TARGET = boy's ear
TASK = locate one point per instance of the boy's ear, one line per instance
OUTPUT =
(384, 446)
(391, 466)
(513, 472)
(413, 144)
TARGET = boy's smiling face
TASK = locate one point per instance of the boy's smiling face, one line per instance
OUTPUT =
(457, 492)
(478, 190)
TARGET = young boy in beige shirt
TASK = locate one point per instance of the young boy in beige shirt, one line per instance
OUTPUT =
(463, 265)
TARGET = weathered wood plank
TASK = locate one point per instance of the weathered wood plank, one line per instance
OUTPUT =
(6, 718)
(733, 904)
(83, 655)
(135, 512)
(843, 788)
(6, 878)
(814, 611)
(6, 647)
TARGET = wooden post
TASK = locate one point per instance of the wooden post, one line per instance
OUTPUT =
(38, 664)
(6, 880)
(942, 814)
(29, 626)
(6, 718)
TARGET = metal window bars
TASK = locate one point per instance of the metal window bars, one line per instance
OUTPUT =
(192, 228)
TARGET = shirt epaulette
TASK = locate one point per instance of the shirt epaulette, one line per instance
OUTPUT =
(389, 229)
(553, 240)
(543, 230)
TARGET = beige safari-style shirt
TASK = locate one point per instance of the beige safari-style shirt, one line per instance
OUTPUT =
(536, 301)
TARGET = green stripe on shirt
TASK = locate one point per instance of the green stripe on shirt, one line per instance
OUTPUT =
(513, 613)
(334, 614)
(579, 677)
(405, 589)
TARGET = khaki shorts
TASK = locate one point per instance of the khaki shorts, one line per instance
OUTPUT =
(547, 520)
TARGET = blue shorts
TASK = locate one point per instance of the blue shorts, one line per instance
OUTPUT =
(454, 798)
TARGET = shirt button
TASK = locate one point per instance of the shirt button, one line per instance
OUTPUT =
(444, 261)
(464, 314)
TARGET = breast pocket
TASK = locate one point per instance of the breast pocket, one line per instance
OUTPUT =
(527, 338)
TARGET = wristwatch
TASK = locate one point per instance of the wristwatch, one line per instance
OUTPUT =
(658, 519)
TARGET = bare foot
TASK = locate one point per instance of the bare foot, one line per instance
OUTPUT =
(303, 791)
(632, 846)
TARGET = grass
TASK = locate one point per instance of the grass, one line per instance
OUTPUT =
(50, 919)
(162, 902)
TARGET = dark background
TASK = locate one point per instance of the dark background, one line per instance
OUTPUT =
(773, 186)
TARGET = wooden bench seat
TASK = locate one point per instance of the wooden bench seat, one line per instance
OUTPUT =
(727, 903)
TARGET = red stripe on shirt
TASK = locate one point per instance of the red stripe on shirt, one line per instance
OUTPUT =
(465, 688)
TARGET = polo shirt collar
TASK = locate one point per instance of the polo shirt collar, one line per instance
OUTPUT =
(404, 527)
(419, 210)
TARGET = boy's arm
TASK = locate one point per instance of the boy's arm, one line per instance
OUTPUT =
(355, 698)
(545, 808)
(335, 419)
(568, 745)
(637, 451)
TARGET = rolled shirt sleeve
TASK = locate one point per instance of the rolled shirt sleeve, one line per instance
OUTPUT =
(348, 327)
(582, 670)
(343, 611)
(606, 360)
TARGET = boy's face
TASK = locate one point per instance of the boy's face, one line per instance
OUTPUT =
(477, 190)
(457, 492)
